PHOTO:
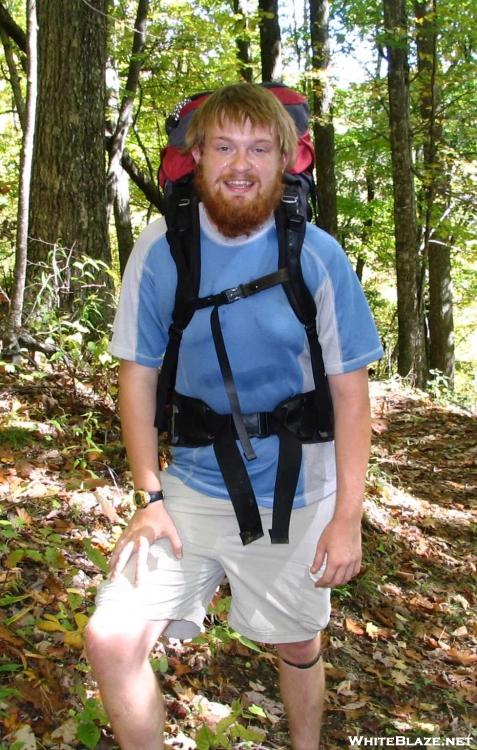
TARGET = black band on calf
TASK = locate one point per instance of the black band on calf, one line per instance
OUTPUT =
(303, 666)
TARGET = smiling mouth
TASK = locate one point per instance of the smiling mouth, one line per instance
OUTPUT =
(239, 185)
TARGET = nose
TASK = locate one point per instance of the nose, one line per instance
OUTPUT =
(240, 160)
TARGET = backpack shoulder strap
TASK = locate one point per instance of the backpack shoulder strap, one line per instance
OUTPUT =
(183, 236)
(291, 227)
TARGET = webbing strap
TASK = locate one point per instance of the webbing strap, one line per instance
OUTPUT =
(238, 486)
(227, 296)
(229, 384)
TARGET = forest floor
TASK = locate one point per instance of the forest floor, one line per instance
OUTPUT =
(400, 653)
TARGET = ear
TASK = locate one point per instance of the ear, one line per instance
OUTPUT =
(284, 160)
(196, 154)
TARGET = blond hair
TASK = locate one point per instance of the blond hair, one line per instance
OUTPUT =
(240, 102)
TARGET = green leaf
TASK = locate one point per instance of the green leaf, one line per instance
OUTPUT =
(257, 711)
(96, 557)
(205, 738)
(245, 641)
(89, 734)
(34, 554)
(161, 664)
(10, 667)
(53, 557)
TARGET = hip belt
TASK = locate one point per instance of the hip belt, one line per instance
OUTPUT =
(194, 424)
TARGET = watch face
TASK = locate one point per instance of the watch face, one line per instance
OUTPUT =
(141, 498)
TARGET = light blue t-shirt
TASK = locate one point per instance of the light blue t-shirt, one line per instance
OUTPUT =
(266, 344)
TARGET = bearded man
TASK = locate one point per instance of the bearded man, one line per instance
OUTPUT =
(179, 546)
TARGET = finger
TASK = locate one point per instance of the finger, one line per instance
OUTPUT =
(122, 558)
(141, 561)
(331, 576)
(318, 561)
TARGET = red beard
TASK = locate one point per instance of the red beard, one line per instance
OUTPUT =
(237, 219)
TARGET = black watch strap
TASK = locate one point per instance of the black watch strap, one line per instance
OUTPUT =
(143, 498)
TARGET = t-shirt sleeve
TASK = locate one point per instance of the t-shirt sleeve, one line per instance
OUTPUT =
(139, 330)
(346, 329)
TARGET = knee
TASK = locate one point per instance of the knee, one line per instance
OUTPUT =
(106, 641)
(302, 652)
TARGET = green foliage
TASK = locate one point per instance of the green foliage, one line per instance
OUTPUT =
(96, 557)
(228, 730)
(90, 719)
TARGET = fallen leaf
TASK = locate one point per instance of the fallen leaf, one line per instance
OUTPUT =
(9, 637)
(400, 678)
(353, 626)
(355, 705)
(460, 657)
(25, 737)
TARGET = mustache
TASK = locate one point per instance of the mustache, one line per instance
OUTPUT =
(250, 176)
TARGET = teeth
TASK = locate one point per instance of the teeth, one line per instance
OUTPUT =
(239, 183)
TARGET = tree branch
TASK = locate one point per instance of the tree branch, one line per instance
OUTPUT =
(143, 182)
(12, 29)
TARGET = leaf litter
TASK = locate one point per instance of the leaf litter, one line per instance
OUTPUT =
(400, 651)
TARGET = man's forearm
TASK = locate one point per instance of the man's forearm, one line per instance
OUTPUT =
(137, 405)
(352, 441)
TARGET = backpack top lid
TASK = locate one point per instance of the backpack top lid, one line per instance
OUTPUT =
(175, 163)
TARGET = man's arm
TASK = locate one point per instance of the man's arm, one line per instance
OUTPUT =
(137, 406)
(340, 542)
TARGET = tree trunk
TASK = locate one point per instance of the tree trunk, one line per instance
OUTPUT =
(122, 219)
(243, 43)
(411, 357)
(324, 133)
(68, 190)
(441, 318)
(270, 40)
(16, 307)
(435, 244)
(118, 139)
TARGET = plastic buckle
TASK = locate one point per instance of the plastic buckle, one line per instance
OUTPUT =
(233, 294)
(290, 199)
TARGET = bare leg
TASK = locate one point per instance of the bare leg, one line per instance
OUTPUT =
(118, 650)
(302, 692)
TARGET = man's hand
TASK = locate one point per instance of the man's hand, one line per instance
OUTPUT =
(146, 525)
(340, 546)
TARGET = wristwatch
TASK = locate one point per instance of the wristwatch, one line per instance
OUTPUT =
(142, 498)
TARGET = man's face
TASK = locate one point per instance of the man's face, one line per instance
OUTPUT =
(239, 176)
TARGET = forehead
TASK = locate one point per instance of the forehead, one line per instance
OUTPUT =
(229, 129)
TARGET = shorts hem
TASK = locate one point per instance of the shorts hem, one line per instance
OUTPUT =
(273, 638)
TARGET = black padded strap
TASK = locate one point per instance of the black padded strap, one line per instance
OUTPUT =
(167, 378)
(238, 486)
(288, 471)
(323, 402)
(229, 384)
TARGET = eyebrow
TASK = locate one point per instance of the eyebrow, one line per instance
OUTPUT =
(267, 141)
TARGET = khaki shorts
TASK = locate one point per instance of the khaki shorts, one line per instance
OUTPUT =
(273, 595)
